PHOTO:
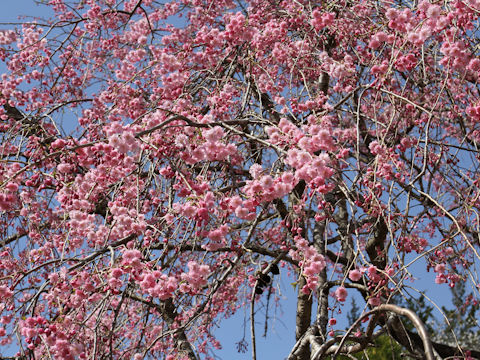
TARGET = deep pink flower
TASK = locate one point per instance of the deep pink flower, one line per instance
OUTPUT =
(341, 294)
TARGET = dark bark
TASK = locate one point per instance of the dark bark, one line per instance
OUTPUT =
(303, 318)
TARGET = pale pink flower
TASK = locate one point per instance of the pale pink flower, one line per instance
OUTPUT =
(341, 294)
(355, 275)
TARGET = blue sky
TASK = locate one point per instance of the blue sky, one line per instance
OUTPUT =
(14, 9)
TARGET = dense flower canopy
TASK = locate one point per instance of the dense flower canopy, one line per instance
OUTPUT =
(162, 161)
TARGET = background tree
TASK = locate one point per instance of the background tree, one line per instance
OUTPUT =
(460, 325)
(162, 159)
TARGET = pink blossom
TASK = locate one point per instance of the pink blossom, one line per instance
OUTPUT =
(341, 294)
(449, 251)
(255, 170)
(433, 11)
(5, 292)
(241, 212)
(235, 202)
(131, 256)
(374, 301)
(197, 274)
(64, 168)
(117, 272)
(12, 187)
(355, 275)
(197, 151)
(214, 134)
(440, 268)
(189, 211)
(7, 37)
(266, 181)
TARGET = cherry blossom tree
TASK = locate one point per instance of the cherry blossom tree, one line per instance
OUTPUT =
(163, 163)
